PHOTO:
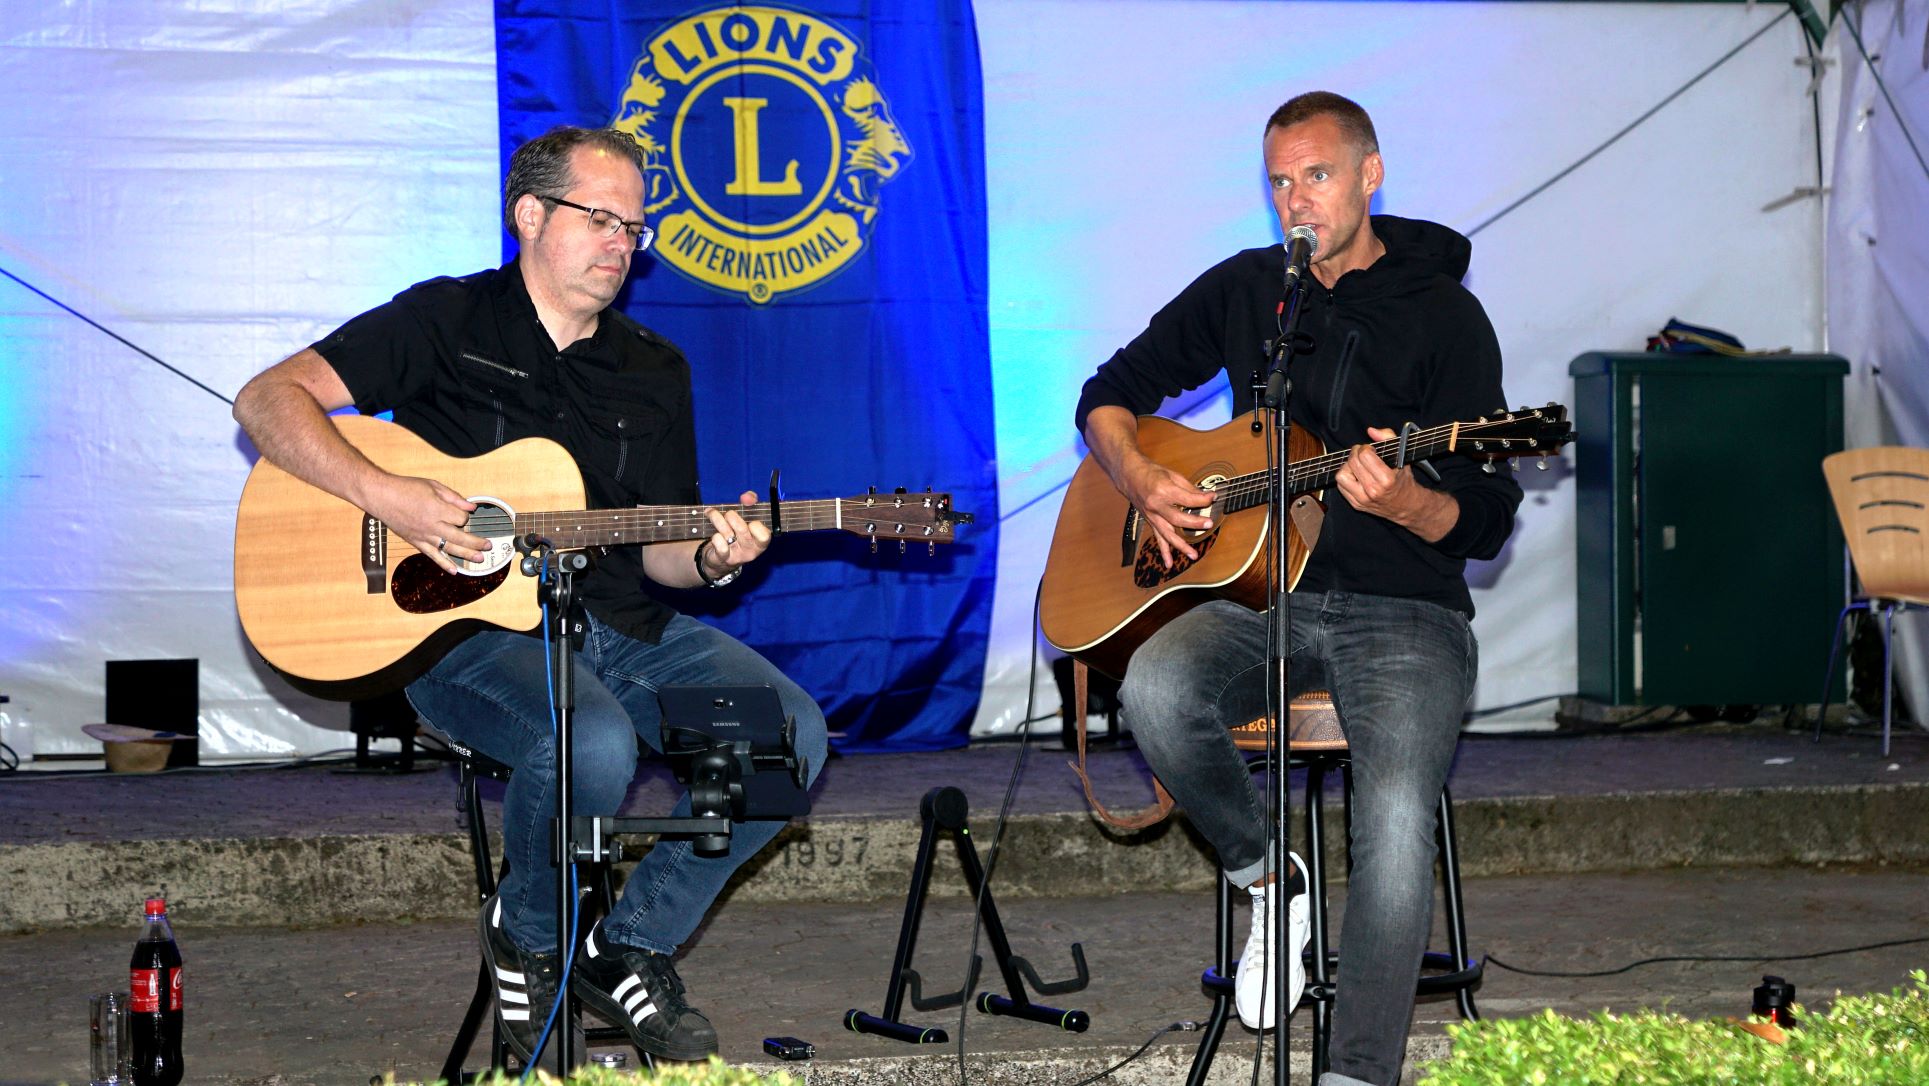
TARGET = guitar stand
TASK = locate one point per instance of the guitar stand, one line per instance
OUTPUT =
(946, 808)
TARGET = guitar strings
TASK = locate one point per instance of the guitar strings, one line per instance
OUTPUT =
(1254, 484)
(680, 522)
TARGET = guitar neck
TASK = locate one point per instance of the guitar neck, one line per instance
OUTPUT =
(576, 529)
(1317, 472)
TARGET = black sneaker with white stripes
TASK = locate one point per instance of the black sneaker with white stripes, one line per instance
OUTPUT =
(641, 992)
(526, 983)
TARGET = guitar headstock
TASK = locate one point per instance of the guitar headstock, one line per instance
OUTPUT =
(1524, 431)
(922, 515)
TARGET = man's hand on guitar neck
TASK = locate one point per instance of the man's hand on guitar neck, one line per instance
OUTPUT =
(1370, 485)
(1160, 494)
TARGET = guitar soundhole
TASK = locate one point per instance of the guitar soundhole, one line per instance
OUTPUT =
(1147, 572)
(421, 587)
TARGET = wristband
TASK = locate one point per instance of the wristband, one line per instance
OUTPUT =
(709, 581)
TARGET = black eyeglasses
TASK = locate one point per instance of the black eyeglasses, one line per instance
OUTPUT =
(605, 224)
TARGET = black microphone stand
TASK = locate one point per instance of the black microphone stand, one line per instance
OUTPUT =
(581, 838)
(558, 571)
(1275, 396)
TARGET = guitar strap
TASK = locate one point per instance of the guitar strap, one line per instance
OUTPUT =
(1309, 517)
(1150, 816)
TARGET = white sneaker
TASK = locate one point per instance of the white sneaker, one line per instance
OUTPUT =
(1253, 979)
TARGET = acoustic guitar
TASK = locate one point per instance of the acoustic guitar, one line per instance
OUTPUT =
(328, 595)
(1105, 591)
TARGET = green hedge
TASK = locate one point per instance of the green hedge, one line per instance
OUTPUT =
(1862, 1041)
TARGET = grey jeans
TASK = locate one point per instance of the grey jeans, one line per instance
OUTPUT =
(1400, 672)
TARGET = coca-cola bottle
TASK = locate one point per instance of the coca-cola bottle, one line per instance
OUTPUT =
(154, 1009)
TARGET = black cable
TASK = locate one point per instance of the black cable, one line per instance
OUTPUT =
(1181, 411)
(1881, 85)
(1478, 713)
(991, 863)
(149, 355)
(1705, 958)
(1632, 125)
(1162, 1031)
(998, 832)
(1639, 724)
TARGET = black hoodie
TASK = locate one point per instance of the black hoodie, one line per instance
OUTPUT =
(1398, 341)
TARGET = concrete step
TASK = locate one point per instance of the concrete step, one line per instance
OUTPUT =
(388, 877)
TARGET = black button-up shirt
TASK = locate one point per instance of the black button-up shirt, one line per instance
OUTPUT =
(466, 365)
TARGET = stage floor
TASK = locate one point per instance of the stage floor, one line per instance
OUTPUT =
(331, 1006)
(281, 991)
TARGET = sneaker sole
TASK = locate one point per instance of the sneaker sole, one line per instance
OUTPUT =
(611, 1011)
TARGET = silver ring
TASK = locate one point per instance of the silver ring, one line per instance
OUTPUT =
(730, 541)
(441, 545)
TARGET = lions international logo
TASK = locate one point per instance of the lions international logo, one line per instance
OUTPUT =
(766, 140)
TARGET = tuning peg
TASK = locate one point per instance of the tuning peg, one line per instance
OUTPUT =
(1488, 467)
(1540, 464)
(900, 548)
(874, 545)
(1514, 463)
(931, 549)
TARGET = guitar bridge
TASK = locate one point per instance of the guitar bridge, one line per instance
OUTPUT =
(1129, 540)
(374, 555)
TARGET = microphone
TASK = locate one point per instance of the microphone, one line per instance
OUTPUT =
(1302, 242)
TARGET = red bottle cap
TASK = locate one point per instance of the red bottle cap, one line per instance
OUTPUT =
(157, 906)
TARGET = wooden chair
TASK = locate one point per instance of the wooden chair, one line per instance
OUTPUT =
(1882, 499)
(1316, 742)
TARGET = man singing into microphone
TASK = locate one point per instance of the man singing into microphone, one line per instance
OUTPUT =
(1380, 615)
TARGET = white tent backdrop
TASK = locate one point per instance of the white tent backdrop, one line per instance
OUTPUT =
(1878, 251)
(1123, 161)
(223, 181)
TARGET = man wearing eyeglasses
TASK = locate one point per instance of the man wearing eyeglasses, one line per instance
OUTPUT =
(533, 349)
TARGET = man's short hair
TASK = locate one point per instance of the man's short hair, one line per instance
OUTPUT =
(1351, 118)
(541, 166)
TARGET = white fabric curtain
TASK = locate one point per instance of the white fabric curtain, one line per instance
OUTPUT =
(1878, 250)
(221, 183)
(1123, 144)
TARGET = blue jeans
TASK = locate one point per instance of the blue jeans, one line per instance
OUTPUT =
(492, 693)
(1400, 672)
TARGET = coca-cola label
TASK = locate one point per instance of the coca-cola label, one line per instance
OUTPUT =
(144, 985)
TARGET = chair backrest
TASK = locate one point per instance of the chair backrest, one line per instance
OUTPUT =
(1312, 724)
(1882, 499)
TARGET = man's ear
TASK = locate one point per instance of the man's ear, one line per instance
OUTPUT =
(1372, 173)
(529, 214)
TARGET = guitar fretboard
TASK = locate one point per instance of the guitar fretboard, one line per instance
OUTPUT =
(1317, 472)
(575, 529)
(914, 516)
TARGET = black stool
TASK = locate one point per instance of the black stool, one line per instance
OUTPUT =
(1316, 743)
(472, 768)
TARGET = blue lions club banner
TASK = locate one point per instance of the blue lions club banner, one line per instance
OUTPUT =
(816, 180)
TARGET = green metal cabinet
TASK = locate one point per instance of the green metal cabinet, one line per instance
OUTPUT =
(1708, 560)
